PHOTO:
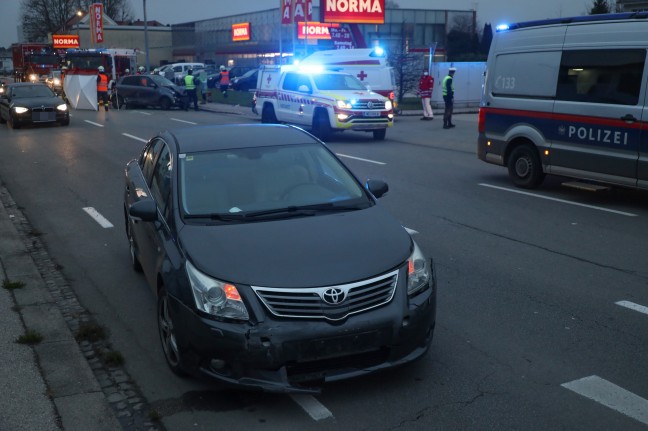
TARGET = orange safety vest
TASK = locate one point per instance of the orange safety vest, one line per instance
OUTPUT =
(102, 85)
(224, 77)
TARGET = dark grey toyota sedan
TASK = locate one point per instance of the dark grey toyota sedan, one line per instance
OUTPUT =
(274, 267)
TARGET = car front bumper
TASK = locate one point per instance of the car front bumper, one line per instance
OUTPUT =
(295, 355)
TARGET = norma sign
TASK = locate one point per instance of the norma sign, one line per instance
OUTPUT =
(240, 31)
(96, 22)
(314, 30)
(61, 41)
(296, 11)
(353, 11)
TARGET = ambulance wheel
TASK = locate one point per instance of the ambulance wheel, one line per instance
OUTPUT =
(379, 135)
(268, 114)
(321, 125)
(524, 167)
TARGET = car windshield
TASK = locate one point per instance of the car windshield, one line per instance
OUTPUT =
(31, 91)
(261, 181)
(337, 81)
(161, 81)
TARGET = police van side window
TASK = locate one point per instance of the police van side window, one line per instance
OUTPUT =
(610, 76)
(525, 74)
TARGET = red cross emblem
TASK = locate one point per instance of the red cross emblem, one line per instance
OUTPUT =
(269, 79)
(361, 75)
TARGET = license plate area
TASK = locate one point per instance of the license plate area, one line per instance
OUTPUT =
(339, 346)
(372, 113)
(41, 117)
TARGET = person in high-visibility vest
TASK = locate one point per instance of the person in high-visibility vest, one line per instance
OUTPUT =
(426, 85)
(102, 89)
(448, 97)
(190, 87)
(224, 80)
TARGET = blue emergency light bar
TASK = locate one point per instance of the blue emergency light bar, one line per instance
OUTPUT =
(575, 19)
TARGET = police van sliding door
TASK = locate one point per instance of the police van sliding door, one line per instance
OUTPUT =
(598, 111)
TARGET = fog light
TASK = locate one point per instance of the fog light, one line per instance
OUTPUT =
(217, 364)
(342, 117)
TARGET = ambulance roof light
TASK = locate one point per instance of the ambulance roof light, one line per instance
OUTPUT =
(502, 27)
(377, 52)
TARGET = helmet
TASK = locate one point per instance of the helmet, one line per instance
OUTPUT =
(141, 68)
(452, 69)
(101, 68)
(126, 71)
(189, 72)
(222, 67)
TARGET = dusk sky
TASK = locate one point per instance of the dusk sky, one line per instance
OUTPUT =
(172, 11)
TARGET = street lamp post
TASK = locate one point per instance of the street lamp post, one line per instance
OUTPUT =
(146, 47)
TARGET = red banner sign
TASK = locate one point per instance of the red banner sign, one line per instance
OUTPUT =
(96, 22)
(314, 30)
(286, 11)
(353, 11)
(240, 31)
(65, 41)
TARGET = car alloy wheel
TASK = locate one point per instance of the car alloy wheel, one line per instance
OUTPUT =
(167, 333)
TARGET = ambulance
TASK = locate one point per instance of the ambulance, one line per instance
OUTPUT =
(568, 97)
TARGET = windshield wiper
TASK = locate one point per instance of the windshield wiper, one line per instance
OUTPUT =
(217, 216)
(304, 209)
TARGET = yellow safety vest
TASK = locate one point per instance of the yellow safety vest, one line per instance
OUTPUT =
(189, 82)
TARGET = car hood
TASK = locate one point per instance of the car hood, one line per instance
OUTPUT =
(34, 102)
(310, 251)
(352, 94)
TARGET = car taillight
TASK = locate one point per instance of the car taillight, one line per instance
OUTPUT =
(481, 121)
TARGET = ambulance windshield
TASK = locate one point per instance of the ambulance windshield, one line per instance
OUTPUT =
(338, 81)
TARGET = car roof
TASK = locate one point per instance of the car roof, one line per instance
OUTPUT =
(225, 136)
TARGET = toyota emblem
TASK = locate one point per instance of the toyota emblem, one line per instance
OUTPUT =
(334, 296)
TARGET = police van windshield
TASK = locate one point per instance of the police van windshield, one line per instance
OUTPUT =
(337, 81)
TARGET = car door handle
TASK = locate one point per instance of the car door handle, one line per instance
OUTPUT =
(629, 118)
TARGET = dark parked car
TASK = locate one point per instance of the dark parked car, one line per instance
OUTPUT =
(247, 81)
(147, 90)
(31, 103)
(274, 267)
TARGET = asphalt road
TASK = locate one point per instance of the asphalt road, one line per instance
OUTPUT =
(540, 323)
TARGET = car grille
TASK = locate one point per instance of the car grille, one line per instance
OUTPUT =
(330, 302)
(43, 114)
(369, 104)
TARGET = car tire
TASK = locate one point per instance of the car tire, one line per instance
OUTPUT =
(135, 263)
(379, 135)
(167, 333)
(12, 123)
(321, 125)
(524, 167)
(118, 102)
(165, 104)
(268, 114)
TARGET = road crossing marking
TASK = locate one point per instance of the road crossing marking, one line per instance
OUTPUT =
(612, 396)
(559, 200)
(633, 306)
(134, 137)
(103, 222)
(93, 123)
(314, 408)
(184, 121)
(361, 159)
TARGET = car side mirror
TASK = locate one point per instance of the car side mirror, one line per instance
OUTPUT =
(378, 188)
(144, 210)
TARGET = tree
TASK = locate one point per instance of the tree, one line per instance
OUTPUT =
(600, 7)
(43, 17)
(487, 39)
(407, 66)
(462, 42)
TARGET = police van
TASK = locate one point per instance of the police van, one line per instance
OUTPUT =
(568, 97)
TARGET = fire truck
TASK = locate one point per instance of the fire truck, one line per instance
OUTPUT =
(87, 61)
(34, 61)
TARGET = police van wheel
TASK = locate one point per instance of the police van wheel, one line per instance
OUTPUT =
(268, 114)
(525, 168)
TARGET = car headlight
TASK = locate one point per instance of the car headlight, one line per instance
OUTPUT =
(344, 104)
(33, 77)
(419, 273)
(62, 107)
(57, 81)
(215, 297)
(20, 110)
(388, 105)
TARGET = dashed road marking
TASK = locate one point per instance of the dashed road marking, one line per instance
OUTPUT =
(361, 159)
(314, 408)
(612, 396)
(184, 121)
(559, 200)
(143, 113)
(134, 137)
(103, 222)
(93, 123)
(633, 306)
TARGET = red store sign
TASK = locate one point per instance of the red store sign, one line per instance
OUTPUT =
(353, 11)
(61, 41)
(96, 22)
(240, 32)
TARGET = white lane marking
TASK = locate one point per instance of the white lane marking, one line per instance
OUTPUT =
(184, 121)
(98, 217)
(612, 396)
(143, 113)
(633, 306)
(558, 200)
(362, 160)
(93, 123)
(410, 231)
(314, 408)
(134, 137)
